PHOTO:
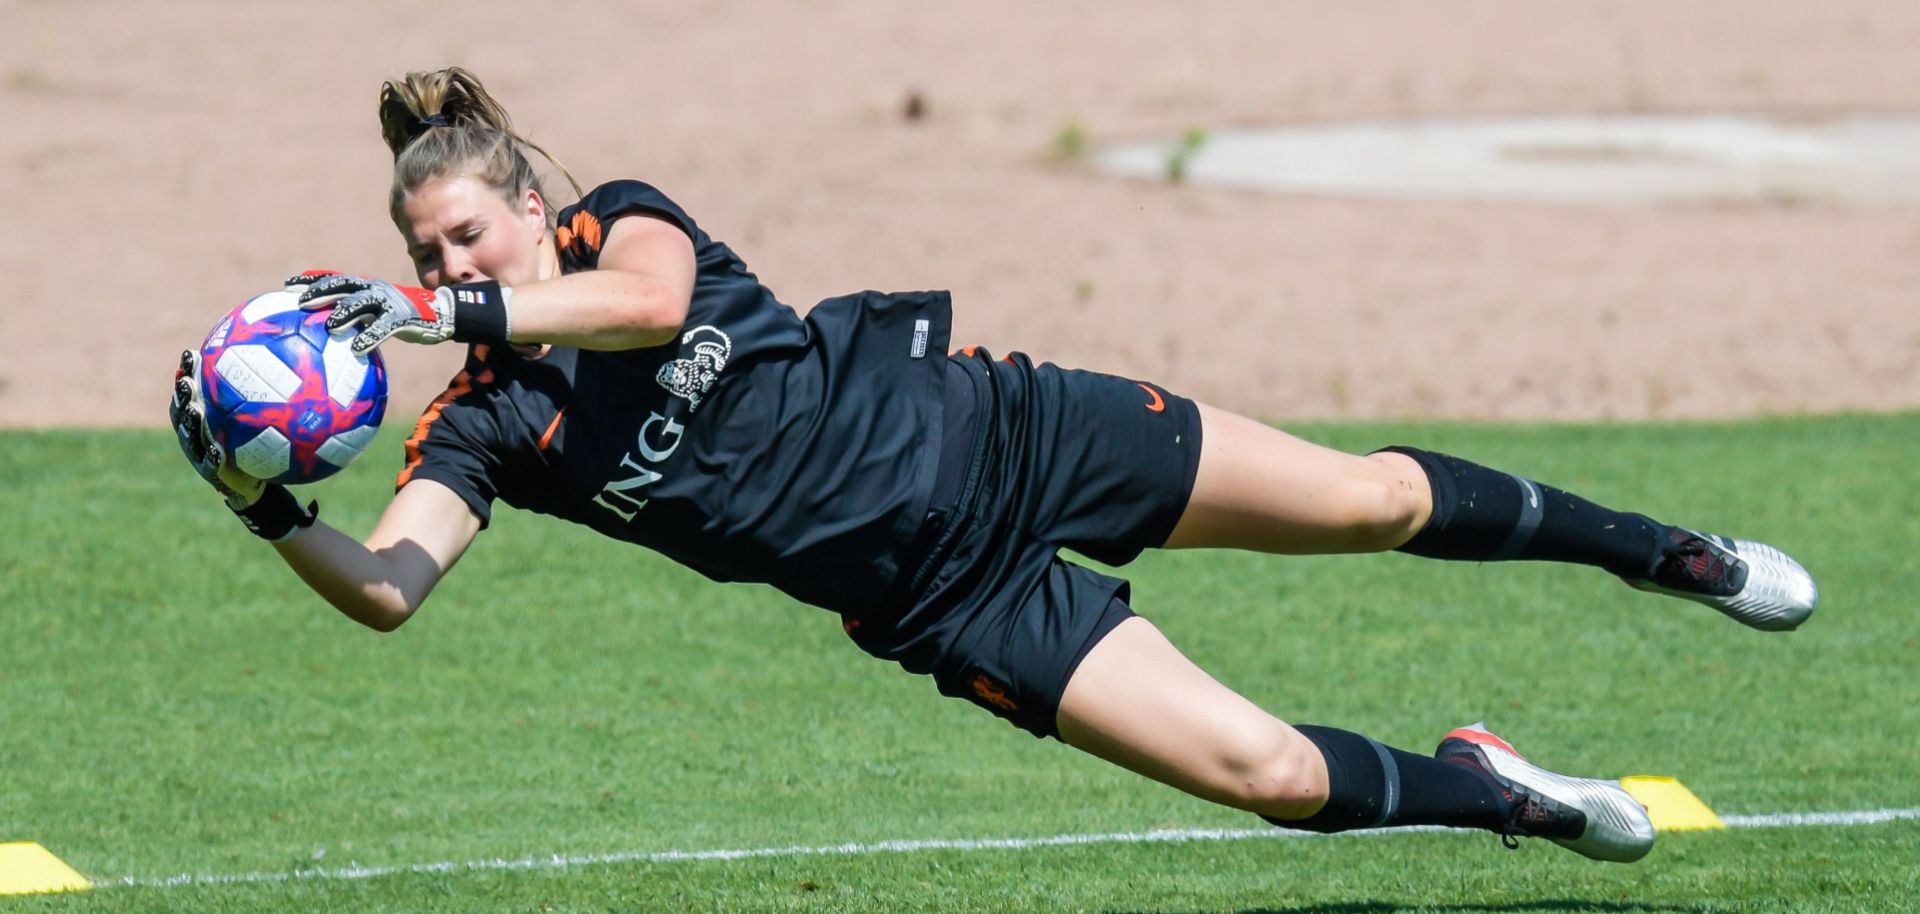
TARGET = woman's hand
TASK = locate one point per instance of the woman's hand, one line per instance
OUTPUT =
(382, 309)
(268, 510)
(469, 312)
(189, 414)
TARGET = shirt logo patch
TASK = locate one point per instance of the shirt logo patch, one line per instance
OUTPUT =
(920, 328)
(691, 378)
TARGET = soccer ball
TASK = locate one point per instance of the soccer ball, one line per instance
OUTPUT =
(287, 401)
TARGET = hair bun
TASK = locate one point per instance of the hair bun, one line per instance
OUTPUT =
(422, 125)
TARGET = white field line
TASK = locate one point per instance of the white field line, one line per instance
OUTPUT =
(560, 861)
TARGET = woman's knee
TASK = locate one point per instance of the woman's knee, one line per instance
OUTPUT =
(1279, 774)
(1391, 499)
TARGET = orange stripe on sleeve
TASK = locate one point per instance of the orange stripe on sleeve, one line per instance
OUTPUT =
(554, 427)
(587, 226)
(584, 228)
(462, 384)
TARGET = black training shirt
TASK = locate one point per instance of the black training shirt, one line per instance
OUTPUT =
(756, 447)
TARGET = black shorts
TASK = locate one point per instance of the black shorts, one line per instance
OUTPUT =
(1042, 459)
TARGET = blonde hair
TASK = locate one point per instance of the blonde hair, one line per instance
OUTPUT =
(444, 123)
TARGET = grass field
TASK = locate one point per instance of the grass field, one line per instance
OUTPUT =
(174, 703)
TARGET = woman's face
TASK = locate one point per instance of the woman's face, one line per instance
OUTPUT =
(460, 230)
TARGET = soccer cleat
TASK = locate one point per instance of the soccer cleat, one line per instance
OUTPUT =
(1753, 582)
(1593, 818)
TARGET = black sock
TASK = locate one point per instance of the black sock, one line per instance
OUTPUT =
(1484, 515)
(1370, 785)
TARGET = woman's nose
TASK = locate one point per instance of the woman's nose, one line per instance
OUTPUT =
(456, 266)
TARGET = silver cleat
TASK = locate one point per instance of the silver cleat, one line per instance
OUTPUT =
(1593, 818)
(1754, 583)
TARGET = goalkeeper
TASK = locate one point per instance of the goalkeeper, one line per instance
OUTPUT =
(627, 372)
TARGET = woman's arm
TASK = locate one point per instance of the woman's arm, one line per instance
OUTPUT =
(380, 584)
(637, 298)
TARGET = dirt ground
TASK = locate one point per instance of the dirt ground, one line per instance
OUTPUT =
(164, 160)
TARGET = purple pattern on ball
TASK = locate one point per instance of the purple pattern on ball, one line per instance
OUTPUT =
(310, 417)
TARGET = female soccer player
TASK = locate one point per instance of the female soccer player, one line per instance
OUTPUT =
(625, 371)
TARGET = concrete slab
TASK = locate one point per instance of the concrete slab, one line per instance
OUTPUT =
(1567, 159)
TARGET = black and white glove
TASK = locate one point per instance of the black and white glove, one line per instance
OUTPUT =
(474, 312)
(269, 510)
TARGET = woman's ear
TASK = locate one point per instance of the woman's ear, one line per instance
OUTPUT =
(534, 210)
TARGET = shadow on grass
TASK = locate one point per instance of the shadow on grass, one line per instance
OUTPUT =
(1512, 907)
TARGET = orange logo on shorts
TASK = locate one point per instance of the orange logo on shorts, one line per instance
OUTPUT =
(1155, 405)
(991, 693)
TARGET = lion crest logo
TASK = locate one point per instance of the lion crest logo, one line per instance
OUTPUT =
(691, 378)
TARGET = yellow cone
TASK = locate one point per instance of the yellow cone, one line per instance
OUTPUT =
(1669, 803)
(26, 867)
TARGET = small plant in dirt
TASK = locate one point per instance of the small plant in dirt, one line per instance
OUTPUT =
(1182, 153)
(1070, 142)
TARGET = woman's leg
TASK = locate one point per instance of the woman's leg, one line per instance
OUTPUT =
(1262, 489)
(1139, 703)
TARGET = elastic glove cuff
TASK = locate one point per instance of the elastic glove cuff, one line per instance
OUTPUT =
(277, 515)
(480, 312)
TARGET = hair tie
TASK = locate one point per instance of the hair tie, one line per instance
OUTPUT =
(435, 119)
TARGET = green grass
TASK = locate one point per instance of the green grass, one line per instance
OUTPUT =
(173, 701)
